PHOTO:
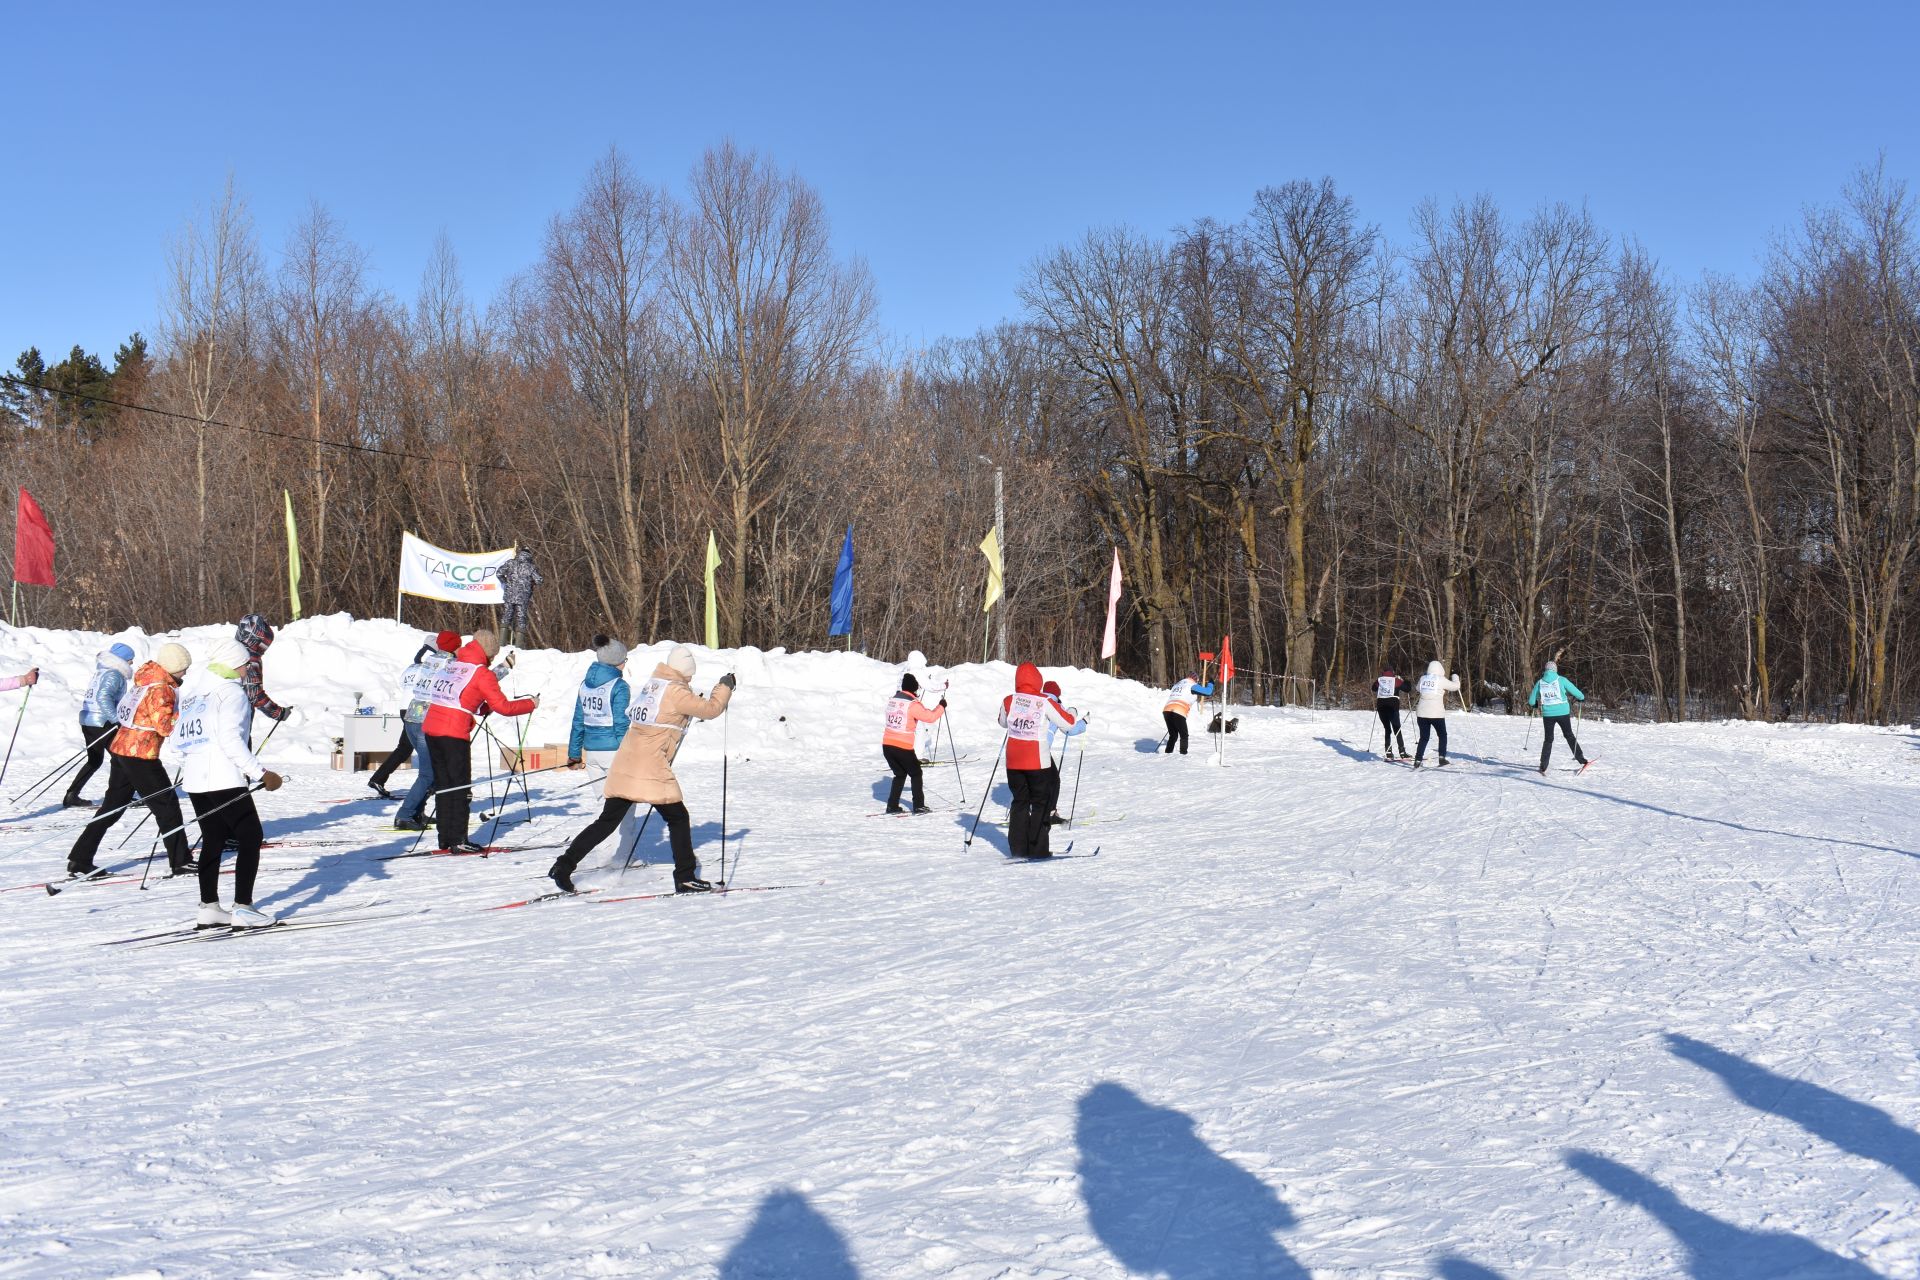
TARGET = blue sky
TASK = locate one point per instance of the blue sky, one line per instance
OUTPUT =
(953, 143)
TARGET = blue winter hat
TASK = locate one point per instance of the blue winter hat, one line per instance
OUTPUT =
(124, 652)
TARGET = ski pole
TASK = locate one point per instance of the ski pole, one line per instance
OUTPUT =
(1079, 763)
(988, 792)
(1371, 724)
(723, 801)
(59, 771)
(18, 717)
(109, 813)
(186, 822)
(953, 747)
(148, 814)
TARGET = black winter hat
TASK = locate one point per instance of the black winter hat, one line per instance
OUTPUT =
(910, 684)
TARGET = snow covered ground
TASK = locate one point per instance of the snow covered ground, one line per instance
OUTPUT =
(1306, 1015)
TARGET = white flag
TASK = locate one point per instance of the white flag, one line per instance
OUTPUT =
(438, 574)
(1109, 646)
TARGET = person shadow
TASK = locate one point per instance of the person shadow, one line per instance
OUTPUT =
(1149, 746)
(789, 1240)
(331, 873)
(1350, 752)
(990, 831)
(1453, 1268)
(1164, 1203)
(1854, 1127)
(1718, 1250)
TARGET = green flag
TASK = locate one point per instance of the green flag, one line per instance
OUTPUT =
(713, 596)
(293, 560)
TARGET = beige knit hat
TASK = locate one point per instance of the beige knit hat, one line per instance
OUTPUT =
(173, 658)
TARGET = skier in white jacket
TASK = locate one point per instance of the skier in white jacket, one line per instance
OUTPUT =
(219, 771)
(1431, 710)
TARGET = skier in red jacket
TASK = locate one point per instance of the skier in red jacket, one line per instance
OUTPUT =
(464, 688)
(1025, 714)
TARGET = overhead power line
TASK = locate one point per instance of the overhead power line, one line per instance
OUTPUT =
(14, 380)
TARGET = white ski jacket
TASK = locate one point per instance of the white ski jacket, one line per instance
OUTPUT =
(1434, 688)
(210, 740)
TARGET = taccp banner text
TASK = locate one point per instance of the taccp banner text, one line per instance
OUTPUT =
(438, 574)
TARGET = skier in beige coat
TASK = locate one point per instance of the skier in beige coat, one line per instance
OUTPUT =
(1431, 711)
(657, 718)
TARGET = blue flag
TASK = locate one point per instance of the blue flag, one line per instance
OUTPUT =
(842, 600)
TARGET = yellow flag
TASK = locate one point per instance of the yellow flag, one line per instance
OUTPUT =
(996, 574)
(713, 597)
(293, 560)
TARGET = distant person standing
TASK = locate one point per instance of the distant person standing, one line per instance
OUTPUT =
(1387, 688)
(1555, 695)
(518, 578)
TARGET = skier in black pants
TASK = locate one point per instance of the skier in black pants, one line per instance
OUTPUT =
(1179, 707)
(1386, 704)
(135, 769)
(905, 714)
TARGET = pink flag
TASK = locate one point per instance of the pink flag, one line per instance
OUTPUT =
(1109, 646)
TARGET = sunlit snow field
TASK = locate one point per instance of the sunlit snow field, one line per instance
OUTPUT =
(1307, 1014)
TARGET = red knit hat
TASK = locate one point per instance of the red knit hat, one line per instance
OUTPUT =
(447, 641)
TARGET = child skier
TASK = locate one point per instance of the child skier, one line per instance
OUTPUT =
(146, 715)
(1024, 714)
(905, 714)
(255, 636)
(600, 721)
(1179, 707)
(219, 771)
(1387, 688)
(112, 669)
(1550, 694)
(470, 689)
(642, 772)
(1431, 710)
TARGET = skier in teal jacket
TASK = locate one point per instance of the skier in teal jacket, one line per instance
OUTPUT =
(1551, 693)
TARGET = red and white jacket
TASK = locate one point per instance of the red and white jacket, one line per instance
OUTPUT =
(905, 713)
(1025, 714)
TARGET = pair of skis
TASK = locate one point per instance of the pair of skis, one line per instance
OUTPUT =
(585, 895)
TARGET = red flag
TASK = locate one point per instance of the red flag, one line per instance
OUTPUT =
(1226, 659)
(32, 544)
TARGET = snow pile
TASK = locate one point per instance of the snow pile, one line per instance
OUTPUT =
(1310, 1014)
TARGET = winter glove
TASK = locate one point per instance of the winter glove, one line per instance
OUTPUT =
(728, 680)
(576, 764)
(943, 702)
(269, 781)
(31, 678)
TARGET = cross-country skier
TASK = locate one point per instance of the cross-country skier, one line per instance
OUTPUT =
(219, 771)
(600, 722)
(1550, 694)
(642, 772)
(898, 742)
(255, 636)
(1024, 714)
(1387, 688)
(1431, 710)
(146, 715)
(405, 746)
(518, 578)
(449, 724)
(417, 680)
(112, 669)
(1179, 707)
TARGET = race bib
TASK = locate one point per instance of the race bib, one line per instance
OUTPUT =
(128, 705)
(1026, 717)
(645, 710)
(191, 733)
(596, 705)
(1550, 695)
(897, 714)
(445, 685)
(1429, 685)
(1387, 686)
(417, 680)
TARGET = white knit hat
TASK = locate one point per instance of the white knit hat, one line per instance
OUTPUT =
(173, 658)
(681, 660)
(228, 653)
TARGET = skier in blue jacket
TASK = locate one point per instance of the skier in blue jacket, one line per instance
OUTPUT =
(600, 722)
(99, 719)
(1551, 693)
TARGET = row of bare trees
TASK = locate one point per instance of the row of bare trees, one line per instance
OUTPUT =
(1500, 440)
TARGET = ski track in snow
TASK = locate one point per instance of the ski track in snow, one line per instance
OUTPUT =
(1307, 1015)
